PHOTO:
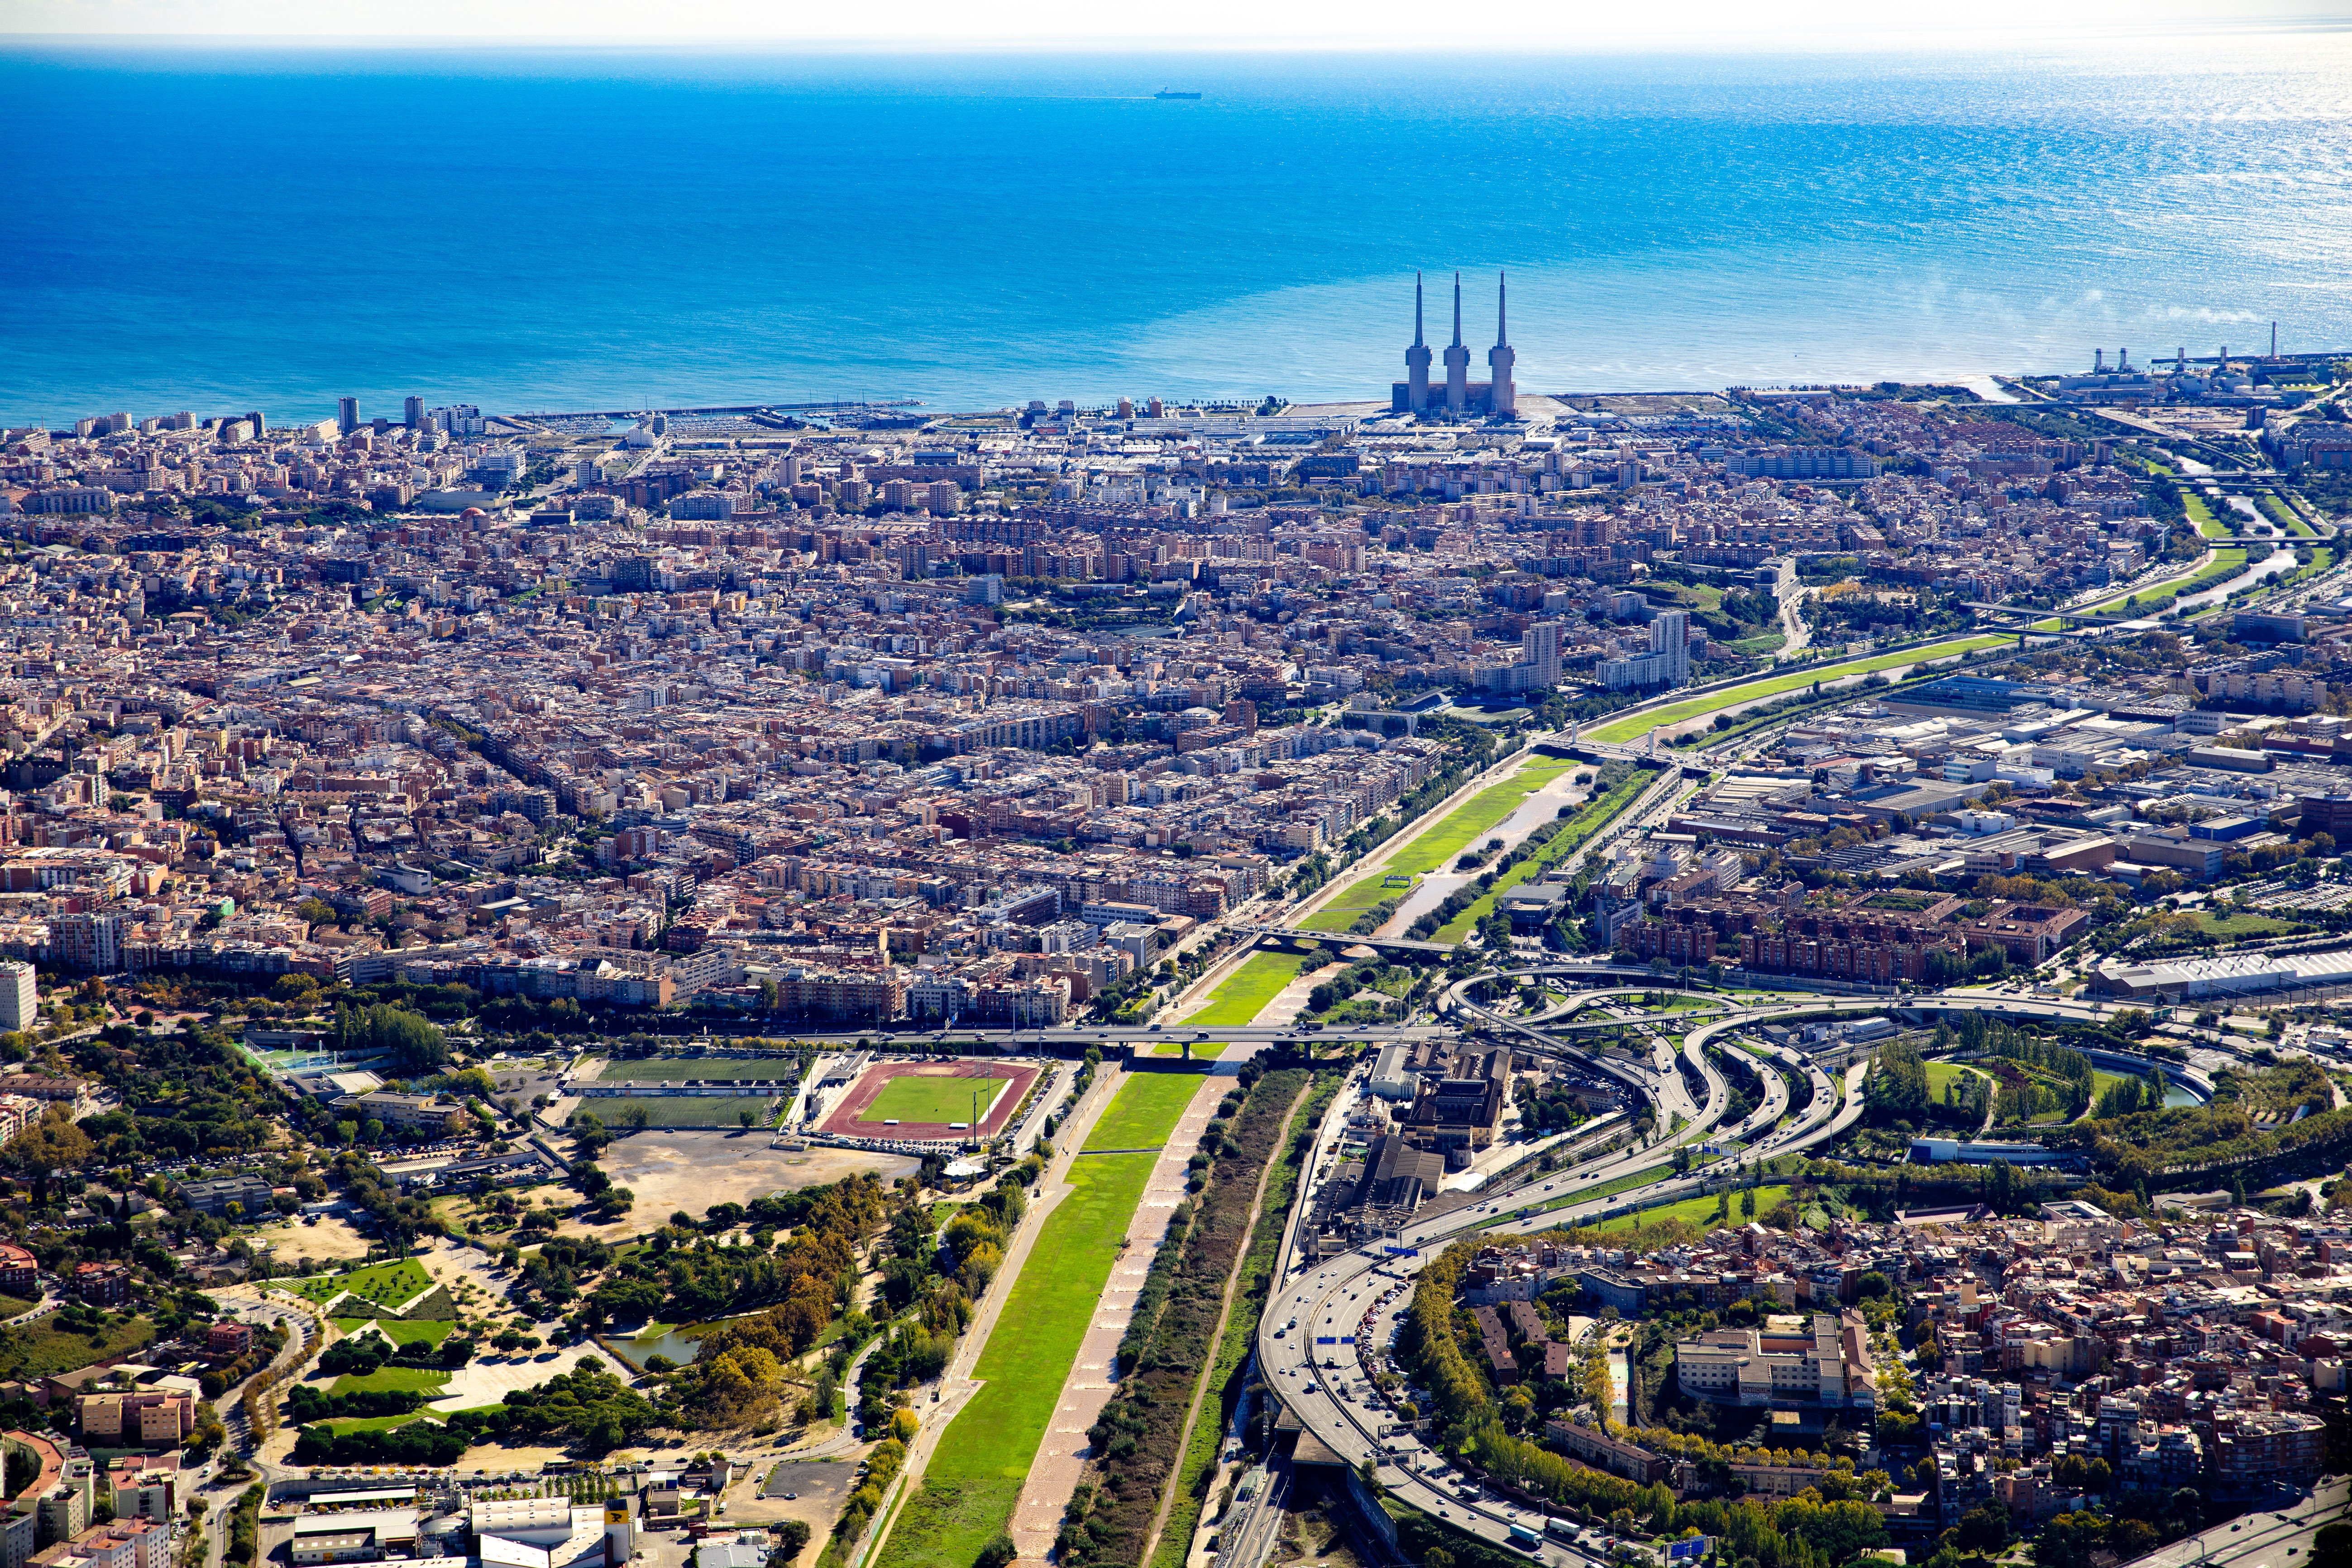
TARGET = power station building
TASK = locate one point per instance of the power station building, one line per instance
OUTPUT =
(1460, 395)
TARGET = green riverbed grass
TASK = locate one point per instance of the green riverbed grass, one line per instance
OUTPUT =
(1438, 845)
(1595, 815)
(1243, 994)
(1253, 1281)
(974, 1479)
(1641, 724)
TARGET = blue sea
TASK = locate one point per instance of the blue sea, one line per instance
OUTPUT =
(533, 230)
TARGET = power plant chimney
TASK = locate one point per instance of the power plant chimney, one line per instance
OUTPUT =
(1503, 397)
(1457, 360)
(1416, 359)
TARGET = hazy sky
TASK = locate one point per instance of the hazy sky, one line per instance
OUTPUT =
(1188, 24)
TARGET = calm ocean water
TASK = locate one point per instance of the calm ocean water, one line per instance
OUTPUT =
(223, 229)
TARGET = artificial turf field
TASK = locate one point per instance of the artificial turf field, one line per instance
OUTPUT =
(913, 1097)
(697, 1069)
(974, 1479)
(685, 1110)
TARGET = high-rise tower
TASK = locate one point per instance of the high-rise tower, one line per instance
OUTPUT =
(1457, 360)
(1539, 650)
(1670, 636)
(1416, 359)
(1503, 398)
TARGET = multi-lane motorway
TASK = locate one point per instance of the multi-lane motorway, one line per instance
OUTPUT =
(1330, 1324)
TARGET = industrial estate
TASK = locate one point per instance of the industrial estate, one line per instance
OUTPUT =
(1467, 977)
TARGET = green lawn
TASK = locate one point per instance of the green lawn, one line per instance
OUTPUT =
(1566, 842)
(1699, 595)
(1241, 996)
(683, 1110)
(1612, 1188)
(1696, 1211)
(2279, 513)
(1203, 1051)
(1144, 1111)
(946, 1523)
(1365, 893)
(2242, 925)
(1641, 724)
(377, 1423)
(425, 1332)
(1684, 1001)
(672, 1070)
(385, 1284)
(392, 1380)
(1252, 1286)
(974, 1479)
(2103, 1080)
(912, 1098)
(1942, 1074)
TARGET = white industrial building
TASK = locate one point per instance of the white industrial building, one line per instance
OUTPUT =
(1392, 1075)
(2228, 974)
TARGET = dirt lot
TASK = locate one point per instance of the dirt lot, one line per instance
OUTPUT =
(669, 1171)
(331, 1237)
(489, 1379)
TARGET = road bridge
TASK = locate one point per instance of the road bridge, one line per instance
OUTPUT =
(1345, 939)
(1355, 1297)
(2026, 613)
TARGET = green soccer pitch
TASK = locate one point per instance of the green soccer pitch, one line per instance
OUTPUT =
(912, 1098)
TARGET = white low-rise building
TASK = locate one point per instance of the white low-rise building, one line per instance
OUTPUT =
(1828, 1366)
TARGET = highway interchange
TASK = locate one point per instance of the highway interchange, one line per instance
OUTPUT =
(1332, 1322)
